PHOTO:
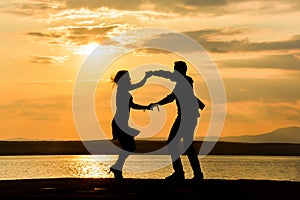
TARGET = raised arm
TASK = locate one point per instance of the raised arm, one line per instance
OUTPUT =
(139, 84)
(163, 74)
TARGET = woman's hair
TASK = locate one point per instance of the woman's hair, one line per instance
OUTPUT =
(118, 76)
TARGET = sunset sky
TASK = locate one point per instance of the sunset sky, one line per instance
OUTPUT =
(255, 45)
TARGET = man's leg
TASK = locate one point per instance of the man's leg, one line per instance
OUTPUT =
(176, 161)
(194, 161)
(175, 155)
(191, 153)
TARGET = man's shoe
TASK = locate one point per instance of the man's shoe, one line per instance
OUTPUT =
(175, 177)
(198, 178)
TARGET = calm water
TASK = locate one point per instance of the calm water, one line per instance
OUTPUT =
(87, 166)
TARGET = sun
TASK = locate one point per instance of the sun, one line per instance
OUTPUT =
(86, 49)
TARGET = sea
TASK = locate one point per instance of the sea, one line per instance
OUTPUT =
(285, 168)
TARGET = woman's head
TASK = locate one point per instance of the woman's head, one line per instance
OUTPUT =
(120, 74)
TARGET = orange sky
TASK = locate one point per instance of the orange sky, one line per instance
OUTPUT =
(254, 44)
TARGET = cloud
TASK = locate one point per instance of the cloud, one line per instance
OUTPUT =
(106, 17)
(244, 45)
(188, 7)
(84, 35)
(207, 39)
(47, 35)
(79, 35)
(216, 33)
(181, 7)
(136, 4)
(212, 40)
(49, 59)
(265, 90)
(91, 31)
(175, 41)
(92, 4)
(34, 109)
(288, 62)
(29, 8)
(255, 111)
(45, 82)
(40, 115)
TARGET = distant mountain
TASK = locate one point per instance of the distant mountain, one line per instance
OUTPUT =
(27, 139)
(282, 135)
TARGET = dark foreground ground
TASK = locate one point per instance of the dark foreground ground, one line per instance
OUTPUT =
(89, 188)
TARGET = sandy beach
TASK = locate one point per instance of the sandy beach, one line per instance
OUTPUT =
(107, 188)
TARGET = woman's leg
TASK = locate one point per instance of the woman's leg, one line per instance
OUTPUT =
(128, 145)
(121, 160)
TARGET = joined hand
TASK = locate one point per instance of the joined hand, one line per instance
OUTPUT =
(152, 105)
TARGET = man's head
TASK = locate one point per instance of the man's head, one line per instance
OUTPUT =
(181, 67)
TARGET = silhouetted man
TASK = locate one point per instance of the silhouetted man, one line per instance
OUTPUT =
(186, 121)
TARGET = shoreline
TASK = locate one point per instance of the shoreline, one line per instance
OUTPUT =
(108, 147)
(108, 188)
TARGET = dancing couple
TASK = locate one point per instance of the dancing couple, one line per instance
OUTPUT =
(183, 128)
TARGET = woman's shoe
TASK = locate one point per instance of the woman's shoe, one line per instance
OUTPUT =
(117, 174)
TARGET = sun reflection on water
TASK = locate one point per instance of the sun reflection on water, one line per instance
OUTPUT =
(85, 166)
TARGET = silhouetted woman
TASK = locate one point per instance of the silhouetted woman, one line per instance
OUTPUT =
(121, 131)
